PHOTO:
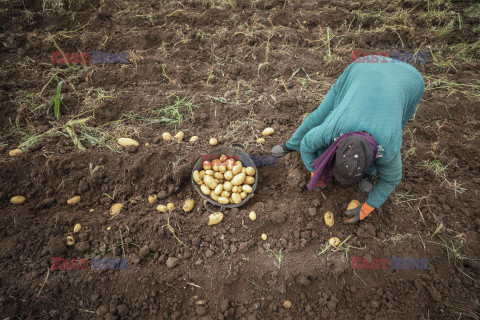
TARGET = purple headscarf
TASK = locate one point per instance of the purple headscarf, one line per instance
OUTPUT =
(324, 165)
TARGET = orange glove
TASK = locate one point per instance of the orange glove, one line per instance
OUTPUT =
(358, 213)
(320, 183)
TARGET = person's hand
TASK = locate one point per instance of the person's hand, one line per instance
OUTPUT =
(358, 213)
(320, 183)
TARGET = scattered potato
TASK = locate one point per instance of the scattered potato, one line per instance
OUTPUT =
(213, 141)
(328, 216)
(252, 215)
(116, 208)
(147, 144)
(287, 304)
(250, 171)
(188, 205)
(70, 241)
(170, 206)
(264, 236)
(18, 200)
(193, 139)
(261, 140)
(268, 132)
(152, 199)
(215, 218)
(205, 189)
(353, 204)
(109, 228)
(179, 136)
(334, 241)
(162, 208)
(124, 142)
(15, 152)
(74, 200)
(77, 227)
(166, 136)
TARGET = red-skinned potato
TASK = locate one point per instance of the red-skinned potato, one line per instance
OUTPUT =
(223, 158)
(207, 165)
(230, 163)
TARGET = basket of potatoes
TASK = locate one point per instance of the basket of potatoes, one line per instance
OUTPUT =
(225, 177)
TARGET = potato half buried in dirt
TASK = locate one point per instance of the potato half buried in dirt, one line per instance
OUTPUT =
(15, 152)
(18, 200)
(334, 241)
(179, 136)
(188, 205)
(328, 216)
(125, 142)
(77, 227)
(215, 218)
(268, 132)
(353, 204)
(162, 208)
(116, 208)
(74, 200)
(166, 136)
(70, 241)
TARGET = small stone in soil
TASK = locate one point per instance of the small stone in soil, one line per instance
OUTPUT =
(172, 262)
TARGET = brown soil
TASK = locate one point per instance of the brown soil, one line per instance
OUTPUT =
(225, 271)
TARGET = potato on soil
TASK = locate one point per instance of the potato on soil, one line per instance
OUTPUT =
(353, 204)
(15, 152)
(116, 208)
(77, 227)
(152, 199)
(179, 136)
(250, 171)
(329, 220)
(252, 215)
(264, 236)
(213, 141)
(334, 241)
(205, 189)
(215, 218)
(18, 200)
(170, 206)
(70, 241)
(125, 142)
(238, 179)
(162, 208)
(261, 140)
(268, 132)
(166, 136)
(193, 139)
(287, 304)
(188, 205)
(74, 200)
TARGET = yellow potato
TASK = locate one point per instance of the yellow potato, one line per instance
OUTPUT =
(215, 218)
(227, 186)
(196, 176)
(334, 241)
(218, 175)
(287, 304)
(166, 136)
(70, 241)
(15, 152)
(152, 199)
(213, 141)
(205, 189)
(193, 139)
(74, 200)
(250, 171)
(217, 181)
(210, 182)
(237, 168)
(116, 208)
(179, 136)
(236, 189)
(219, 189)
(236, 198)
(329, 220)
(243, 194)
(214, 196)
(222, 168)
(223, 200)
(162, 208)
(268, 132)
(202, 173)
(246, 188)
(261, 140)
(77, 227)
(238, 179)
(188, 205)
(228, 175)
(209, 172)
(244, 170)
(353, 204)
(225, 194)
(264, 236)
(170, 206)
(249, 180)
(124, 142)
(252, 215)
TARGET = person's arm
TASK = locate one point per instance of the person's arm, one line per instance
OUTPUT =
(311, 143)
(313, 120)
(389, 175)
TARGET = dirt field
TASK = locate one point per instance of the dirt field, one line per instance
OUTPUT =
(228, 69)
